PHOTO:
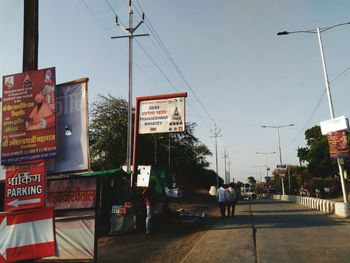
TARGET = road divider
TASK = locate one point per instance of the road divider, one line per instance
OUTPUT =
(326, 206)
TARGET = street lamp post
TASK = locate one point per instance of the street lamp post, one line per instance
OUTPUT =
(266, 153)
(259, 166)
(279, 145)
(318, 31)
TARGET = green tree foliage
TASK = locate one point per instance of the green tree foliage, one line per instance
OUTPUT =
(316, 154)
(252, 183)
(251, 180)
(108, 131)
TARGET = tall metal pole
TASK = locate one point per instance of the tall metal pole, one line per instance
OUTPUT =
(266, 153)
(279, 147)
(130, 31)
(229, 170)
(227, 178)
(279, 144)
(329, 95)
(216, 135)
(331, 110)
(216, 160)
(30, 35)
(129, 132)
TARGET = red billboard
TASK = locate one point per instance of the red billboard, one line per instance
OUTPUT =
(338, 144)
(28, 116)
(27, 235)
(25, 185)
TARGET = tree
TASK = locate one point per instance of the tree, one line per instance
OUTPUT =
(107, 132)
(252, 182)
(316, 154)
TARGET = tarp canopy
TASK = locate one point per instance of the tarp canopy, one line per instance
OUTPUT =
(117, 172)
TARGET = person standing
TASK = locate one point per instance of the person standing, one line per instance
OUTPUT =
(221, 195)
(149, 195)
(231, 201)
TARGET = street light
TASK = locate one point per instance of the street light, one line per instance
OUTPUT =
(266, 153)
(318, 31)
(279, 144)
(259, 166)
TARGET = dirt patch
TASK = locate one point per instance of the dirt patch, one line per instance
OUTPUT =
(171, 240)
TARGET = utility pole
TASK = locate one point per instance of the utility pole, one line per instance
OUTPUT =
(130, 31)
(227, 177)
(216, 135)
(30, 35)
(229, 169)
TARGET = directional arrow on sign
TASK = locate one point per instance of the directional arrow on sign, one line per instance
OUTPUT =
(17, 202)
(12, 236)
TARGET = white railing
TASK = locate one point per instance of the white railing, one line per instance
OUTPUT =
(326, 206)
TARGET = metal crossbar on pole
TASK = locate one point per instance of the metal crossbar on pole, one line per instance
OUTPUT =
(130, 31)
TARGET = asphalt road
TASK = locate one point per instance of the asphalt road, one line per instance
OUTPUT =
(262, 231)
(272, 231)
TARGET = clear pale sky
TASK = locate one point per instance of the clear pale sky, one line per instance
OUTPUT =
(243, 74)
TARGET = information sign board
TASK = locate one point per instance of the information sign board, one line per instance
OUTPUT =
(162, 115)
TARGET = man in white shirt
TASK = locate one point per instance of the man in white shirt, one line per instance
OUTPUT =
(222, 196)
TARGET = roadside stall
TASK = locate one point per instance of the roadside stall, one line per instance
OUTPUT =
(82, 203)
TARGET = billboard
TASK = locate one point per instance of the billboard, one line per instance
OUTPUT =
(25, 185)
(162, 115)
(338, 144)
(71, 193)
(2, 168)
(28, 116)
(27, 235)
(72, 129)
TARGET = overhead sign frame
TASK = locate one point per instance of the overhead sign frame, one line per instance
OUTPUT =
(136, 124)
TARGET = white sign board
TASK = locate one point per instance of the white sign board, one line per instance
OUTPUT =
(162, 115)
(144, 175)
(336, 124)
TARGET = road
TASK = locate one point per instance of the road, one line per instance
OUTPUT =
(262, 231)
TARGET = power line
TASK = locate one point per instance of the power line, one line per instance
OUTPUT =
(152, 60)
(170, 82)
(172, 61)
(334, 81)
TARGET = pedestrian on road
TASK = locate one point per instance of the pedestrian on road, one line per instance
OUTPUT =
(149, 195)
(231, 201)
(222, 198)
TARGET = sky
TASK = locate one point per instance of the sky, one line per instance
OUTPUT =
(238, 73)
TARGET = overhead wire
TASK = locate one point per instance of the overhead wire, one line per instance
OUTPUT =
(144, 50)
(170, 82)
(172, 61)
(108, 34)
(340, 76)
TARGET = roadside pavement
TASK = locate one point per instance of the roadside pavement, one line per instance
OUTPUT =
(228, 240)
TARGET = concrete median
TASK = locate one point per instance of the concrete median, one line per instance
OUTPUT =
(323, 205)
